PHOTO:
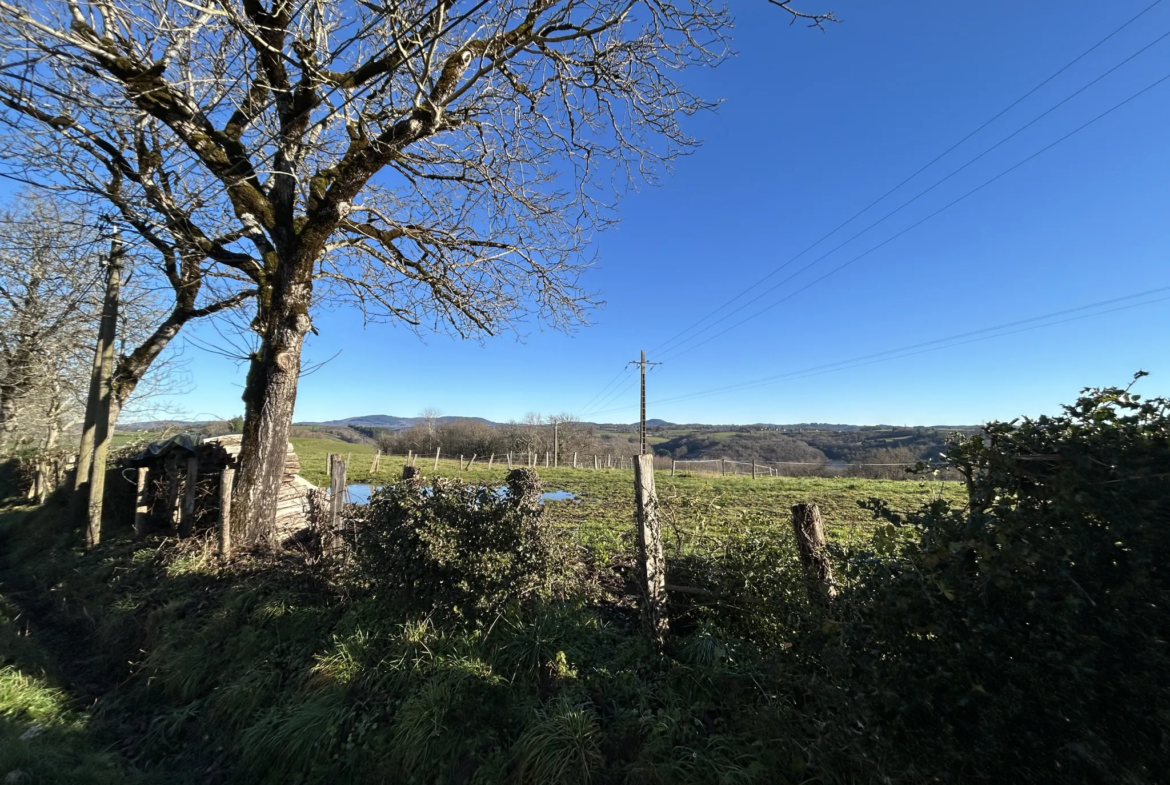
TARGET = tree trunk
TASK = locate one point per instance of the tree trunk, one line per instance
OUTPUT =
(53, 423)
(270, 395)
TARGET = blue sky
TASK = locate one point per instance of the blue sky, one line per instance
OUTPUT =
(813, 127)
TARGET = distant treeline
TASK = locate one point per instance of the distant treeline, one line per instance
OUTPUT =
(860, 445)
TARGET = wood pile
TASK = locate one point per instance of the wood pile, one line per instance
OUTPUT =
(169, 469)
(292, 501)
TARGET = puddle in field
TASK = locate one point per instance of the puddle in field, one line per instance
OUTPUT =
(360, 494)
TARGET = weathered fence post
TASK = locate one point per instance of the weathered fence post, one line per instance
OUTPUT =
(810, 543)
(225, 511)
(673, 463)
(651, 562)
(574, 460)
(374, 462)
(753, 468)
(491, 460)
(546, 459)
(141, 504)
(471, 461)
(460, 463)
(437, 449)
(187, 521)
(596, 463)
(172, 499)
(336, 498)
(509, 460)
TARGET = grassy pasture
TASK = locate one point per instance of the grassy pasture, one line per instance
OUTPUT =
(603, 511)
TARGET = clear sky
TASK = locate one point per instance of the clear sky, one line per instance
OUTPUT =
(813, 128)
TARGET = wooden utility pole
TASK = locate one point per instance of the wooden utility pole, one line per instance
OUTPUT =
(642, 365)
(95, 438)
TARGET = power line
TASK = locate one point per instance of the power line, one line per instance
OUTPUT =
(948, 342)
(910, 201)
(588, 403)
(929, 164)
(916, 224)
(615, 395)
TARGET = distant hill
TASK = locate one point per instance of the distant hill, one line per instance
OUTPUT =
(387, 421)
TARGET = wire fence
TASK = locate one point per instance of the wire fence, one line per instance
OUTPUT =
(680, 467)
(758, 469)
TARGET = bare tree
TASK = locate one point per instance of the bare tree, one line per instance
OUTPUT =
(430, 416)
(51, 259)
(437, 162)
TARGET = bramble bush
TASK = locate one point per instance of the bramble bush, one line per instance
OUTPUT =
(460, 550)
(1024, 637)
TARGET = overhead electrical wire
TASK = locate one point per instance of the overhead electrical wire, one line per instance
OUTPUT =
(936, 159)
(604, 389)
(918, 223)
(918, 196)
(948, 342)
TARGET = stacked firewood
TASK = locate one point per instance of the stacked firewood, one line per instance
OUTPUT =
(292, 499)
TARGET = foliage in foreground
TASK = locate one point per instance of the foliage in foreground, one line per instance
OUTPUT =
(1020, 639)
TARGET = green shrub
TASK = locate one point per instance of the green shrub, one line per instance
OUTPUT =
(1025, 635)
(459, 550)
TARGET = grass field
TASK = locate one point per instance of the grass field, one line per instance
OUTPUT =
(604, 508)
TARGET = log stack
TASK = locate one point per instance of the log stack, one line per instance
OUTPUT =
(168, 467)
(292, 501)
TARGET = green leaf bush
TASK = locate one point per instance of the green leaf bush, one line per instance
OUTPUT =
(459, 550)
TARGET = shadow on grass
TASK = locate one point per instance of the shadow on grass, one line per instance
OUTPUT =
(94, 630)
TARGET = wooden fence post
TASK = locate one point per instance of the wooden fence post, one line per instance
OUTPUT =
(437, 449)
(509, 460)
(491, 460)
(336, 498)
(574, 460)
(471, 461)
(651, 561)
(596, 463)
(141, 502)
(187, 521)
(753, 468)
(225, 511)
(546, 459)
(673, 463)
(810, 542)
(172, 499)
(374, 462)
(460, 463)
